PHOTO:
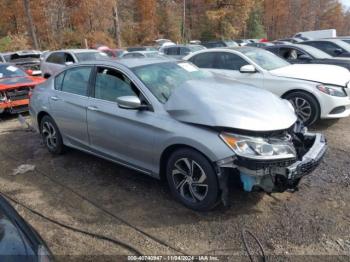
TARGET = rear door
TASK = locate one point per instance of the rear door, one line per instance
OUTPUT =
(124, 135)
(53, 63)
(69, 103)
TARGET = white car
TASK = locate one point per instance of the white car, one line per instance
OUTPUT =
(55, 61)
(316, 91)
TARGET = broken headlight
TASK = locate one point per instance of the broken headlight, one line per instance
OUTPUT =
(258, 147)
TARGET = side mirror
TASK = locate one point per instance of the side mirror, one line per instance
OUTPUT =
(338, 51)
(248, 69)
(29, 72)
(305, 57)
(68, 63)
(131, 102)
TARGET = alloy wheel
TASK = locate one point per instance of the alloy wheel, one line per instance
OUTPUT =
(190, 180)
(302, 108)
(50, 135)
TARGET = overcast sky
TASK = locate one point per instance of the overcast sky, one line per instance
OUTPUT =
(346, 3)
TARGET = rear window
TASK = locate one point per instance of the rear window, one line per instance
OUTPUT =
(88, 56)
(7, 71)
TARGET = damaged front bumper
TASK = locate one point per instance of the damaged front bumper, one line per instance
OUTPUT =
(278, 175)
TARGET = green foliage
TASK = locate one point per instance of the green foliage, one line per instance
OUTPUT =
(255, 28)
(5, 43)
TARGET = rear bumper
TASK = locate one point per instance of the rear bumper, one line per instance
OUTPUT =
(279, 176)
(15, 107)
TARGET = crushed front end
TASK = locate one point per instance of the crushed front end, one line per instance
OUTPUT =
(274, 162)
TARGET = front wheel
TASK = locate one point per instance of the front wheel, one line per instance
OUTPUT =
(192, 179)
(305, 105)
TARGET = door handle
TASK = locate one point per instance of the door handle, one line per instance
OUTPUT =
(93, 108)
(54, 98)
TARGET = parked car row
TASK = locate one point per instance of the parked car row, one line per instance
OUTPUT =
(193, 121)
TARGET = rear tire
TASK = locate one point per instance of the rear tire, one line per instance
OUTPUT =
(305, 105)
(51, 136)
(192, 180)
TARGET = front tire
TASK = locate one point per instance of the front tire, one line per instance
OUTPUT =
(51, 135)
(192, 180)
(305, 105)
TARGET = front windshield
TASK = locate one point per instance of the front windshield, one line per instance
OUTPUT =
(265, 59)
(231, 43)
(317, 53)
(88, 56)
(163, 78)
(152, 54)
(7, 71)
(195, 48)
(343, 45)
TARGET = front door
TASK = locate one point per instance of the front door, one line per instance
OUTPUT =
(123, 135)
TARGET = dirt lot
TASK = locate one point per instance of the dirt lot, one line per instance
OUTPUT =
(98, 196)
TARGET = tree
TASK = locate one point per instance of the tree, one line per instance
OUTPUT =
(117, 35)
(255, 28)
(31, 26)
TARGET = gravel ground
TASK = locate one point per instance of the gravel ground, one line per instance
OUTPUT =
(101, 197)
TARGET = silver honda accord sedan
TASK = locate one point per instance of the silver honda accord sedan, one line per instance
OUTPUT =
(173, 121)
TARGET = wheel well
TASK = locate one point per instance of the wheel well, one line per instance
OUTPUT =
(167, 153)
(40, 117)
(303, 91)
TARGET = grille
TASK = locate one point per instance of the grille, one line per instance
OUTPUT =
(18, 93)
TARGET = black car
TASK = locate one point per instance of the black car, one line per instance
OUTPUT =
(304, 54)
(18, 240)
(220, 43)
(333, 47)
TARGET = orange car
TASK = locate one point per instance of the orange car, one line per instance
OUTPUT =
(15, 86)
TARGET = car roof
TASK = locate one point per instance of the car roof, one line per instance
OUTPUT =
(323, 40)
(131, 63)
(76, 50)
(182, 45)
(143, 52)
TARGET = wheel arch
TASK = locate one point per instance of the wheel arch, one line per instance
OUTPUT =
(303, 91)
(167, 153)
(40, 116)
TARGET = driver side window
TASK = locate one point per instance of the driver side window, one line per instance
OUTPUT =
(111, 84)
(291, 53)
(229, 61)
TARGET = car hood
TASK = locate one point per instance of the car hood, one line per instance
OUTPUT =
(326, 74)
(225, 103)
(13, 82)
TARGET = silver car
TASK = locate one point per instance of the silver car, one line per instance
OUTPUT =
(173, 121)
(52, 62)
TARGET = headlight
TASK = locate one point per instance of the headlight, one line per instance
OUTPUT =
(259, 148)
(332, 91)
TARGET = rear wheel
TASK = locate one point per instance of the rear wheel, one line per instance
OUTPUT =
(51, 135)
(192, 179)
(305, 105)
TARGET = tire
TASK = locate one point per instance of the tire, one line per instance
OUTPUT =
(305, 105)
(51, 136)
(198, 190)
